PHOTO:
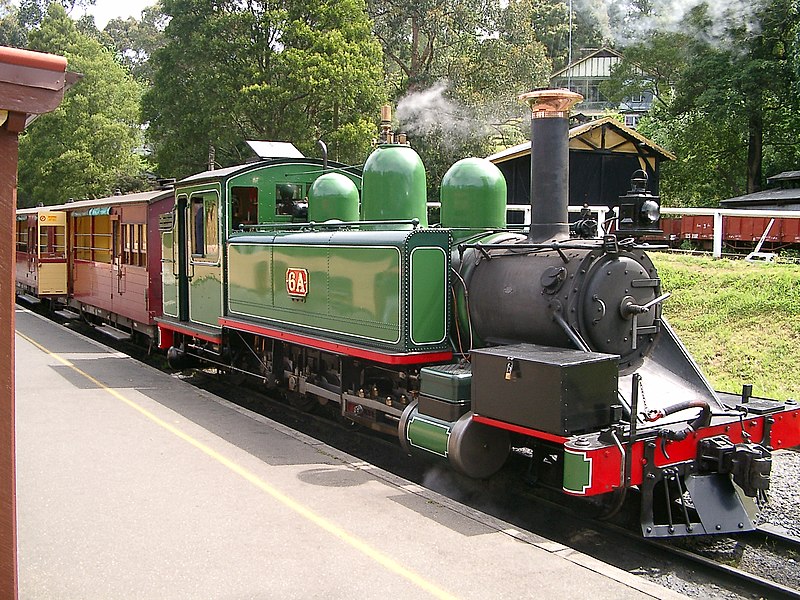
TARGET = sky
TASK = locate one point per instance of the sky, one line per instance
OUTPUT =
(105, 10)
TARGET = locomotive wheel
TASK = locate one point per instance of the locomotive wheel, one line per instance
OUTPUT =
(606, 506)
(304, 402)
(476, 450)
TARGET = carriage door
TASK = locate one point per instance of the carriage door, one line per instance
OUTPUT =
(174, 264)
(52, 253)
(205, 270)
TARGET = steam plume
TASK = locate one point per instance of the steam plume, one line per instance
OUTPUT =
(428, 111)
(624, 22)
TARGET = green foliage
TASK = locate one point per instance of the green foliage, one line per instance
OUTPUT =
(135, 40)
(653, 66)
(740, 321)
(709, 157)
(86, 147)
(294, 71)
(457, 69)
(418, 37)
(16, 22)
(549, 22)
(11, 30)
(728, 103)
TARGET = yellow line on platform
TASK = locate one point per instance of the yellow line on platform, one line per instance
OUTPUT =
(303, 511)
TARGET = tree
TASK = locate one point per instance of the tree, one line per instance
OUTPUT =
(11, 31)
(653, 66)
(456, 69)
(549, 22)
(293, 70)
(745, 84)
(135, 40)
(88, 145)
(17, 22)
(709, 157)
(729, 91)
(417, 36)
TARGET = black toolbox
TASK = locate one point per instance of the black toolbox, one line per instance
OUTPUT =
(555, 390)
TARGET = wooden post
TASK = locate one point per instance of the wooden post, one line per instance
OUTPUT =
(31, 83)
(8, 522)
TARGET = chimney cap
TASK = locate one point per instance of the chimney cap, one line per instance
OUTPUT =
(550, 102)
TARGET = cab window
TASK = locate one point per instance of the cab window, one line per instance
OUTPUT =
(204, 228)
(287, 198)
(244, 206)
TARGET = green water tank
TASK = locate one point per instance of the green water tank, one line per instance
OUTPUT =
(333, 196)
(394, 185)
(473, 196)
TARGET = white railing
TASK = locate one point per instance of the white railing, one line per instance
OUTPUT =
(599, 212)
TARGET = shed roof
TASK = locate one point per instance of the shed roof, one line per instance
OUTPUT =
(784, 177)
(775, 197)
(605, 134)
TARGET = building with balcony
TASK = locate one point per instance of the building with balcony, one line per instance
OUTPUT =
(586, 75)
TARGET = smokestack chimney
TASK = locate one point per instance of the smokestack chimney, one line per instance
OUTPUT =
(549, 162)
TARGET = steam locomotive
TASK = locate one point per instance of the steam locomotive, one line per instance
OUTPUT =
(467, 340)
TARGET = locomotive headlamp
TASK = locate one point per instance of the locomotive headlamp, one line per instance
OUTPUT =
(639, 210)
(650, 211)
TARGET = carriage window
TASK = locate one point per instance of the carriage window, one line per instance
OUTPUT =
(244, 206)
(125, 244)
(101, 238)
(142, 244)
(133, 244)
(22, 235)
(83, 238)
(92, 238)
(205, 237)
(51, 242)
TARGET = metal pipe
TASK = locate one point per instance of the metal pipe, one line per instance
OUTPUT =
(324, 147)
(549, 162)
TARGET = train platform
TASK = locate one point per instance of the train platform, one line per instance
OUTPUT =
(134, 484)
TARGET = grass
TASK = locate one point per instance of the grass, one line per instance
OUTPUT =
(740, 321)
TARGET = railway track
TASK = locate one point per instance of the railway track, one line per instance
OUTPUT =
(762, 586)
(690, 555)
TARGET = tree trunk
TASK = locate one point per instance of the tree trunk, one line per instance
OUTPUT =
(755, 150)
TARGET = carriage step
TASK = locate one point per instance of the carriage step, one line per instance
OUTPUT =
(67, 313)
(113, 332)
(27, 298)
